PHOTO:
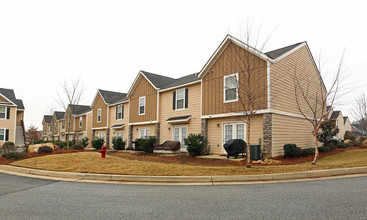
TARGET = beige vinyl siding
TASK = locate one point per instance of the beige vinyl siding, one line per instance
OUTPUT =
(229, 63)
(89, 128)
(9, 124)
(136, 130)
(67, 116)
(114, 121)
(291, 130)
(143, 88)
(19, 117)
(84, 127)
(99, 104)
(215, 133)
(282, 81)
(55, 130)
(166, 111)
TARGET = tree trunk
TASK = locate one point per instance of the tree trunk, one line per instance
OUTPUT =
(316, 149)
(248, 156)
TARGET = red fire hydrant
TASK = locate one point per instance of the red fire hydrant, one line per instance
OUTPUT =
(103, 151)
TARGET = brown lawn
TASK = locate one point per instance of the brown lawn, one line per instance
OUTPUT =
(182, 165)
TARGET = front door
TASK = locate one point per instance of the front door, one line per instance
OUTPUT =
(235, 130)
(179, 134)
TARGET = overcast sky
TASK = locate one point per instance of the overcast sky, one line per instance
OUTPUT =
(108, 42)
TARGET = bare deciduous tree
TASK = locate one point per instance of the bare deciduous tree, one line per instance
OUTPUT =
(312, 96)
(69, 95)
(32, 134)
(360, 111)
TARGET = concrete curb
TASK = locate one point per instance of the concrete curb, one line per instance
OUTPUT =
(188, 179)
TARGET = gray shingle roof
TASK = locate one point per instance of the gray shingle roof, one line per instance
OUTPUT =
(358, 126)
(183, 80)
(112, 97)
(9, 93)
(335, 115)
(79, 109)
(158, 80)
(278, 52)
(48, 118)
(59, 115)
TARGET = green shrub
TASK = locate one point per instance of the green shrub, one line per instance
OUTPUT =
(334, 141)
(118, 143)
(321, 149)
(7, 147)
(15, 155)
(196, 144)
(308, 151)
(147, 144)
(342, 145)
(45, 149)
(85, 142)
(38, 141)
(97, 143)
(291, 150)
(328, 131)
(78, 146)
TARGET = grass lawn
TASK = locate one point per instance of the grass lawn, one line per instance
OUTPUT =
(91, 162)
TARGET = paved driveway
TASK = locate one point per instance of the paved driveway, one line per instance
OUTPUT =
(28, 198)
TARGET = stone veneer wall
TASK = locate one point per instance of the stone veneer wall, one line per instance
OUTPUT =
(268, 135)
(130, 136)
(157, 132)
(204, 127)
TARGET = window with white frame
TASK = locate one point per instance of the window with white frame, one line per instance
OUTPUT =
(142, 105)
(2, 134)
(234, 131)
(99, 115)
(119, 134)
(119, 112)
(101, 135)
(180, 99)
(63, 124)
(144, 132)
(80, 122)
(2, 112)
(231, 88)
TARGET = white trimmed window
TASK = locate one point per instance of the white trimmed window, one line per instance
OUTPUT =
(119, 112)
(99, 115)
(180, 99)
(144, 132)
(2, 113)
(101, 135)
(80, 122)
(142, 105)
(63, 124)
(2, 134)
(231, 88)
(119, 134)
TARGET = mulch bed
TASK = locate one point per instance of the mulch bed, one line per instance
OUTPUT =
(4, 161)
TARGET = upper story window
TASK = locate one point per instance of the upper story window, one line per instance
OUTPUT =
(180, 99)
(2, 113)
(80, 122)
(120, 112)
(99, 115)
(142, 105)
(231, 88)
(69, 123)
(63, 124)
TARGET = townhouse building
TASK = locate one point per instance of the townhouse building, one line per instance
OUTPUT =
(47, 128)
(11, 118)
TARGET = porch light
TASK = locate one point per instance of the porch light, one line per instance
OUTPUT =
(218, 125)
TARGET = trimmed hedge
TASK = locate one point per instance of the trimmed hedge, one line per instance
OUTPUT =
(118, 143)
(147, 144)
(97, 143)
(45, 149)
(15, 155)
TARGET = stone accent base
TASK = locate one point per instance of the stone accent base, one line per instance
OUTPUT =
(157, 132)
(130, 136)
(267, 135)
(204, 127)
(107, 141)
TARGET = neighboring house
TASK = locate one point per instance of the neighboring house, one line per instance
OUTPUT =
(164, 107)
(105, 119)
(56, 124)
(277, 120)
(11, 118)
(340, 122)
(47, 128)
(358, 128)
(81, 116)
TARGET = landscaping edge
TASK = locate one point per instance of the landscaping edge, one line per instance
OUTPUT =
(186, 179)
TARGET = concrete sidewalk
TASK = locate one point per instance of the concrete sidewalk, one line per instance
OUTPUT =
(187, 180)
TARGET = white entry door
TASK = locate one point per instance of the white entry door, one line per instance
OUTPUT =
(179, 134)
(235, 130)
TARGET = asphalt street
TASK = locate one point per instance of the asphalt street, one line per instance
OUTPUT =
(30, 198)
